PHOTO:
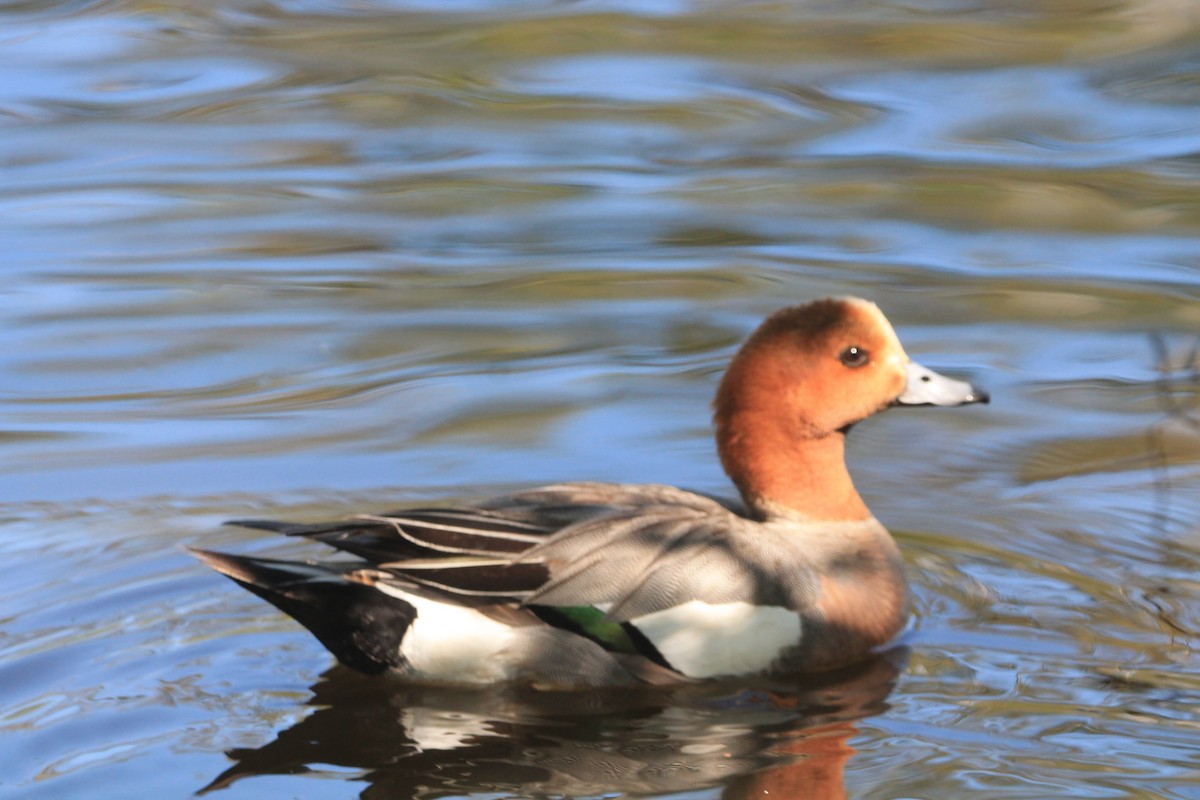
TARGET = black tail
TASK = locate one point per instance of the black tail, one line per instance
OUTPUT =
(359, 624)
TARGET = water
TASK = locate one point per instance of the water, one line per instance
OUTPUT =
(306, 259)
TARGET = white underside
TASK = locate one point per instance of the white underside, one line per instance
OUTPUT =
(703, 640)
(452, 644)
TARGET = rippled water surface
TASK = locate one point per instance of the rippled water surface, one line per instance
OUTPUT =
(304, 259)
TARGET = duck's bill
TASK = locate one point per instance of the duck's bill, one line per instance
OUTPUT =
(927, 388)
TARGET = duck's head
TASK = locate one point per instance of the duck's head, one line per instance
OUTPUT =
(810, 372)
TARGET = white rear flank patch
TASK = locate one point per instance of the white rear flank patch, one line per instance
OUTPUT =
(702, 640)
(452, 644)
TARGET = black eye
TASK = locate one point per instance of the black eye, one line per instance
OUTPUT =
(854, 356)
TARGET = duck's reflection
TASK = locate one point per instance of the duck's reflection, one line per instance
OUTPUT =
(785, 738)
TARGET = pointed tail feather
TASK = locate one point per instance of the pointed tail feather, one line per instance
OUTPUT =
(359, 624)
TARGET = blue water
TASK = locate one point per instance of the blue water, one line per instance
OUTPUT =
(310, 259)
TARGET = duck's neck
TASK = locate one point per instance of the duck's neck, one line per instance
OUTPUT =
(782, 474)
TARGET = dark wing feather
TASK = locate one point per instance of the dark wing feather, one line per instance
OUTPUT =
(459, 534)
(501, 580)
(632, 548)
(434, 533)
(369, 540)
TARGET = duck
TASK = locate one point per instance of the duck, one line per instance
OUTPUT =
(589, 584)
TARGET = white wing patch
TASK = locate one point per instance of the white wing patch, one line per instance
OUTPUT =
(703, 640)
(451, 643)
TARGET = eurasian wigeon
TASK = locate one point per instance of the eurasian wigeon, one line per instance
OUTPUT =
(583, 584)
